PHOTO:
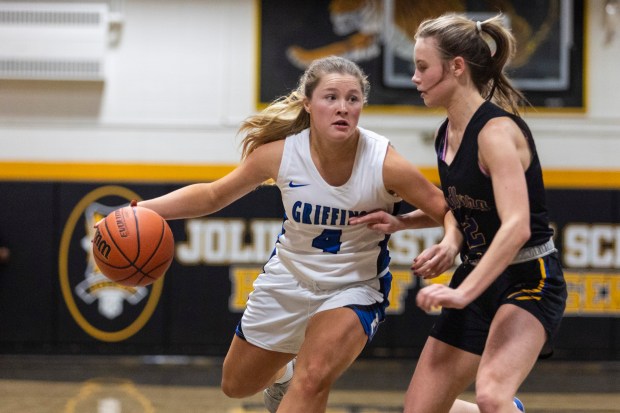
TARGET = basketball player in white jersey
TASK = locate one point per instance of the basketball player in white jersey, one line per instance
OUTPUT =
(324, 290)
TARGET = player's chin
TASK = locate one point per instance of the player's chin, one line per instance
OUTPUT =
(340, 137)
(428, 101)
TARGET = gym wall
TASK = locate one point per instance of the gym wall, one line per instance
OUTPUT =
(178, 79)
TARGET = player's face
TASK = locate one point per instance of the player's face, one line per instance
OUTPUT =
(335, 106)
(429, 76)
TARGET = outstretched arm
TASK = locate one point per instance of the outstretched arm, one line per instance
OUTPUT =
(383, 222)
(206, 198)
(404, 179)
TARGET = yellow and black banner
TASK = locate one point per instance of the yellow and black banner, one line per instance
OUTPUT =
(54, 299)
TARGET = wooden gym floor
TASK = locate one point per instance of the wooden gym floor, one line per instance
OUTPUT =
(156, 384)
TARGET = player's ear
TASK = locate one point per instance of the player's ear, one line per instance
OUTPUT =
(457, 66)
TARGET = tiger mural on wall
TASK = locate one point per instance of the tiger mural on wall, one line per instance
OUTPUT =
(363, 24)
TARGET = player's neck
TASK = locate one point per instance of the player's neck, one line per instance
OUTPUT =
(462, 109)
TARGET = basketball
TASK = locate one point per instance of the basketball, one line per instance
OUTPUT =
(133, 246)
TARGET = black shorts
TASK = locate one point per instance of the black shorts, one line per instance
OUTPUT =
(537, 286)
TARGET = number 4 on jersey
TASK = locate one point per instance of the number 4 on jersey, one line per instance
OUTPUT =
(328, 241)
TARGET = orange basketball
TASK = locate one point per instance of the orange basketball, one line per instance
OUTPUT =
(133, 246)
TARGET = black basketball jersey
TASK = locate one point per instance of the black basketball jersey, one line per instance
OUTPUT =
(469, 191)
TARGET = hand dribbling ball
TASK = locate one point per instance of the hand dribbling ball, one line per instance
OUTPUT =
(133, 246)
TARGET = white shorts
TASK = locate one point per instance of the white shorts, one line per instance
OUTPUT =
(280, 307)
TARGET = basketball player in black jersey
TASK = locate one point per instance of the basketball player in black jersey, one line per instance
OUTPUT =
(506, 299)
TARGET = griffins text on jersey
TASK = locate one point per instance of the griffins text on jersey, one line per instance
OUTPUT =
(306, 213)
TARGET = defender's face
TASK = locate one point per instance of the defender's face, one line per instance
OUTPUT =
(429, 76)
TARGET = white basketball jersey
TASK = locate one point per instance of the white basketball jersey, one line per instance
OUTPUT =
(317, 244)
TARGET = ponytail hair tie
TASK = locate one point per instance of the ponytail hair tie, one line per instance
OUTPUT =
(487, 39)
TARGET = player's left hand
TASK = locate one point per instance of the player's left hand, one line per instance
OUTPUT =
(434, 261)
(440, 295)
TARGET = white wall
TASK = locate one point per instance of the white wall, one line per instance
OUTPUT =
(182, 77)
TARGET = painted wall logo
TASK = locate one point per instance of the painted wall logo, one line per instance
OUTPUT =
(104, 309)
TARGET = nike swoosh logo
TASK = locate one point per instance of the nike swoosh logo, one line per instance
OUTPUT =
(294, 185)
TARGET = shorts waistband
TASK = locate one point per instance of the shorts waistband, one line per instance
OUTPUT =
(318, 286)
(530, 253)
(535, 252)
